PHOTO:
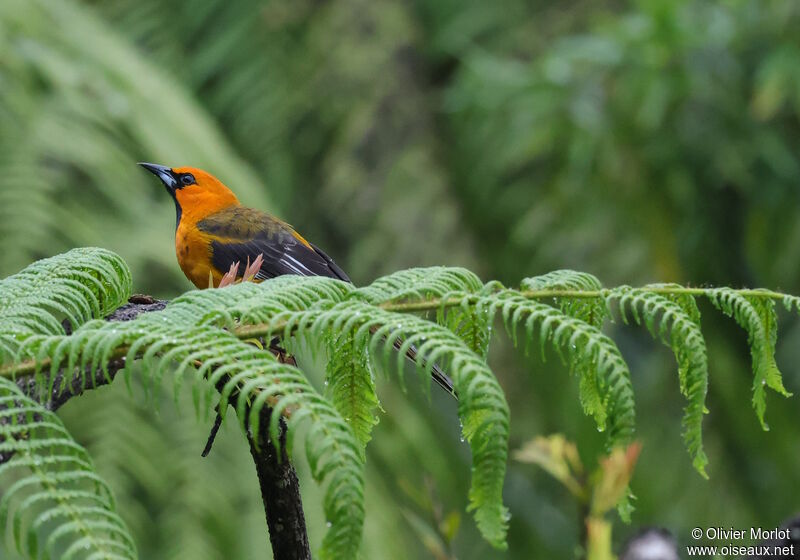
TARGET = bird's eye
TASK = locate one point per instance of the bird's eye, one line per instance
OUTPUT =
(187, 179)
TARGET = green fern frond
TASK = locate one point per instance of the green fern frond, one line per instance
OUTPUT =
(564, 280)
(757, 316)
(482, 406)
(78, 285)
(57, 506)
(472, 323)
(291, 302)
(675, 320)
(350, 384)
(591, 310)
(234, 306)
(790, 303)
(254, 376)
(177, 336)
(605, 386)
(202, 337)
(469, 323)
(420, 283)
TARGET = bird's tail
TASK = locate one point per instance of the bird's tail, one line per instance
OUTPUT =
(437, 374)
(440, 377)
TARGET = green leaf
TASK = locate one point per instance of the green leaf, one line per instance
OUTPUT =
(56, 496)
(605, 388)
(675, 321)
(590, 310)
(351, 386)
(420, 283)
(481, 406)
(757, 316)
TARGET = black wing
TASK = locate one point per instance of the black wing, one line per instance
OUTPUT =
(240, 234)
(284, 255)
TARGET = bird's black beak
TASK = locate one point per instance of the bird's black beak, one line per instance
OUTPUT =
(164, 173)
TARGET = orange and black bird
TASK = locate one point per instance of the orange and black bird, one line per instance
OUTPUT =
(213, 231)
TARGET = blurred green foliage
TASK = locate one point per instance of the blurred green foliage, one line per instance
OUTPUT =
(640, 141)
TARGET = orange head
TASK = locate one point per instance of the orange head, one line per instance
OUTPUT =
(194, 191)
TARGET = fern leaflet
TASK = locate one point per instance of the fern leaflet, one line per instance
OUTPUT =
(57, 501)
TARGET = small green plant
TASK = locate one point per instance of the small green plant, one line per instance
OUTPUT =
(201, 337)
(597, 492)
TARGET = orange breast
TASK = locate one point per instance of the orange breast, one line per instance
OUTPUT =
(193, 249)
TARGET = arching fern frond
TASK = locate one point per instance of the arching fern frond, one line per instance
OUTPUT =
(78, 285)
(420, 283)
(591, 310)
(56, 504)
(285, 293)
(675, 320)
(202, 337)
(350, 384)
(605, 387)
(471, 322)
(757, 316)
(468, 322)
(482, 406)
(250, 377)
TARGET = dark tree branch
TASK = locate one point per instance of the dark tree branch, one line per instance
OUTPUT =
(72, 387)
(280, 488)
(280, 491)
